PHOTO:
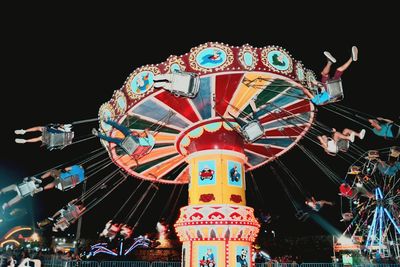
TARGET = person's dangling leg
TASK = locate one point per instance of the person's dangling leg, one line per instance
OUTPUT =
(125, 130)
(325, 72)
(35, 129)
(9, 188)
(46, 175)
(32, 140)
(50, 185)
(12, 202)
(352, 133)
(32, 129)
(337, 135)
(307, 93)
(341, 69)
(347, 131)
(323, 140)
(107, 138)
(352, 58)
(323, 202)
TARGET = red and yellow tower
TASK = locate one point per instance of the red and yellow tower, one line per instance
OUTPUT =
(216, 228)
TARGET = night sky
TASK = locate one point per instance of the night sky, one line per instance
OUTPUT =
(61, 68)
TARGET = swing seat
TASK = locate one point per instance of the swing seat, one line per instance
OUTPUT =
(57, 140)
(26, 189)
(185, 84)
(335, 90)
(62, 224)
(252, 131)
(343, 145)
(333, 93)
(69, 183)
(68, 216)
(131, 145)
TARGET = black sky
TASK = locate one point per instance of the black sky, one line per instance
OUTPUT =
(61, 66)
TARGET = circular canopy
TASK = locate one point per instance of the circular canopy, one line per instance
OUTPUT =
(230, 78)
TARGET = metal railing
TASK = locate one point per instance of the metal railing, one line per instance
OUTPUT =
(64, 263)
(276, 264)
(321, 265)
(166, 264)
(125, 264)
(378, 265)
(83, 264)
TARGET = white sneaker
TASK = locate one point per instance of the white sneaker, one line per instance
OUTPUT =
(33, 178)
(20, 141)
(354, 53)
(95, 132)
(362, 134)
(352, 136)
(330, 57)
(19, 131)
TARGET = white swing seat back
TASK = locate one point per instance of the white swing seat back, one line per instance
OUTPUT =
(252, 131)
(25, 189)
(343, 145)
(185, 84)
(130, 144)
(335, 90)
(69, 183)
(57, 140)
